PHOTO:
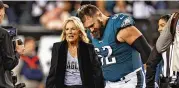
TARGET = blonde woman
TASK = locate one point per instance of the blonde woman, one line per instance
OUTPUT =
(74, 63)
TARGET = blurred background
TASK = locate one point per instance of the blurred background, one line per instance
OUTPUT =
(39, 26)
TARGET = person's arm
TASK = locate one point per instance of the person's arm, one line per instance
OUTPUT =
(10, 57)
(165, 38)
(97, 71)
(50, 83)
(153, 61)
(134, 37)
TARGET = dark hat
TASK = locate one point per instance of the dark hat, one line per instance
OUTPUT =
(2, 5)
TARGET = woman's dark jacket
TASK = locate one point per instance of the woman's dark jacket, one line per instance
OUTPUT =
(89, 66)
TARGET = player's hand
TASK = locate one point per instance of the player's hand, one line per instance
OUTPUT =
(145, 66)
(20, 47)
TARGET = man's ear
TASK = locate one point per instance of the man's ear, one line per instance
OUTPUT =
(87, 17)
(98, 14)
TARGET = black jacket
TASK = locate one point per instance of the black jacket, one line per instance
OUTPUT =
(90, 70)
(8, 59)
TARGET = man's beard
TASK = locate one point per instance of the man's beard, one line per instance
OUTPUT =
(98, 33)
(101, 30)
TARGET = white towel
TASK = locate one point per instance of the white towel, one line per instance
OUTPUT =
(175, 56)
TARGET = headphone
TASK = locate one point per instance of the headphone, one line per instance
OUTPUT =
(173, 25)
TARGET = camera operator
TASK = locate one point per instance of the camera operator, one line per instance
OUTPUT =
(8, 56)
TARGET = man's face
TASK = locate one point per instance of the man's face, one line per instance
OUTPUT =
(94, 25)
(2, 13)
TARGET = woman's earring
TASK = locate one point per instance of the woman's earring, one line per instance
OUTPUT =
(80, 35)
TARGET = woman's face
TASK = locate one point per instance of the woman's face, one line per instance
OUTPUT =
(71, 32)
(161, 25)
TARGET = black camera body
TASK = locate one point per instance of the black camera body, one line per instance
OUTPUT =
(14, 81)
(11, 30)
(13, 33)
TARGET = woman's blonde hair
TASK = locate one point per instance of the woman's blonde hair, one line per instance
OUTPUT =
(78, 25)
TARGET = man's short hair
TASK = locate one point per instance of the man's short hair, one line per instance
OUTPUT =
(88, 10)
(2, 5)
